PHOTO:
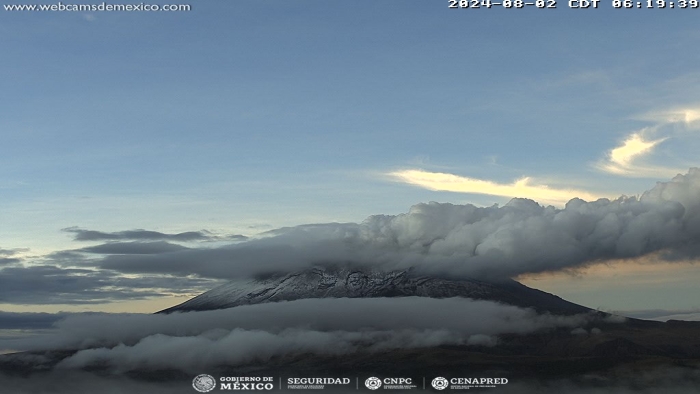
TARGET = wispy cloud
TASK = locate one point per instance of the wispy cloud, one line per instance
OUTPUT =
(622, 159)
(688, 116)
(146, 235)
(523, 187)
(48, 284)
(9, 256)
(627, 159)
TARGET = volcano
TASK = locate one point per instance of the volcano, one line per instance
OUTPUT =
(322, 282)
(599, 349)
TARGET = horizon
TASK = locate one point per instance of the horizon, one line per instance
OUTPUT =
(625, 285)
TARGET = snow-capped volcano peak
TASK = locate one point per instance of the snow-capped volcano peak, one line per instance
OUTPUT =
(323, 282)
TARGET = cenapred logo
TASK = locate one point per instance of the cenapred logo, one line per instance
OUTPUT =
(373, 383)
(204, 383)
(440, 383)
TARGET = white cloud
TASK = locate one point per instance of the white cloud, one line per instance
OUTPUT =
(627, 159)
(688, 116)
(623, 159)
(523, 188)
(633, 146)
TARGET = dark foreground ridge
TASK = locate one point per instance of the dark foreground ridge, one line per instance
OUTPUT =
(602, 356)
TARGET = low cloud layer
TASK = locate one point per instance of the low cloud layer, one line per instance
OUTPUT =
(188, 341)
(29, 321)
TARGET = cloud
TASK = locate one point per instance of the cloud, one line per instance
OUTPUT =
(634, 146)
(9, 260)
(255, 333)
(146, 235)
(687, 116)
(48, 284)
(161, 353)
(523, 188)
(622, 160)
(11, 252)
(626, 159)
(239, 347)
(8, 256)
(29, 321)
(133, 248)
(460, 240)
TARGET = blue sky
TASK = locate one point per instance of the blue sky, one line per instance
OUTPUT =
(239, 117)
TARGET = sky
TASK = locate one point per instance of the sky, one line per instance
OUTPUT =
(238, 118)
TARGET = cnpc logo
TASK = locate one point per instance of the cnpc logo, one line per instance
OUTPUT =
(374, 382)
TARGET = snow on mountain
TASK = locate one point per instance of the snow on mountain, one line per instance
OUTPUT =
(324, 282)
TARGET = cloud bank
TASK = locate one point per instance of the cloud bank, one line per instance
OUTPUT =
(461, 240)
(457, 241)
(256, 333)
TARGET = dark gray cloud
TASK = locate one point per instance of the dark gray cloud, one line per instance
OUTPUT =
(194, 340)
(11, 252)
(67, 277)
(462, 240)
(7, 256)
(146, 235)
(29, 321)
(253, 259)
(9, 260)
(47, 284)
(133, 248)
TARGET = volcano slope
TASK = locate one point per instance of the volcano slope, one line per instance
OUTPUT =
(386, 324)
(606, 346)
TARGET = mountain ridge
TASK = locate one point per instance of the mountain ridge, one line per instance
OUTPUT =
(349, 282)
